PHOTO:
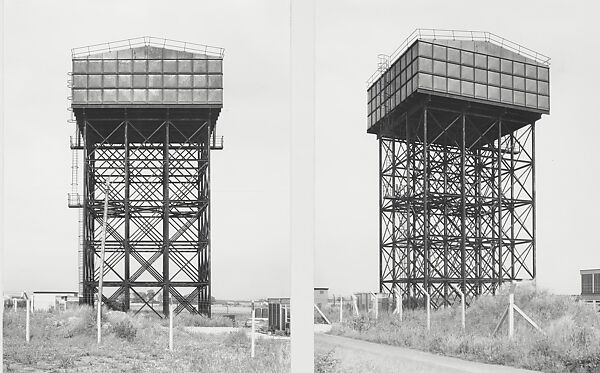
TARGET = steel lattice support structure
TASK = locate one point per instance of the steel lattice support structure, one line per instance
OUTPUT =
(158, 227)
(457, 199)
(454, 113)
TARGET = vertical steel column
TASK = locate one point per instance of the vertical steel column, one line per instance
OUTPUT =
(166, 243)
(445, 219)
(201, 253)
(91, 224)
(381, 213)
(416, 249)
(512, 206)
(85, 297)
(201, 183)
(463, 207)
(91, 250)
(394, 212)
(409, 196)
(533, 195)
(126, 207)
(208, 245)
(493, 206)
(425, 202)
(500, 241)
(478, 218)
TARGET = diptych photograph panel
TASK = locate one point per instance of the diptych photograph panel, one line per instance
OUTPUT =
(296, 186)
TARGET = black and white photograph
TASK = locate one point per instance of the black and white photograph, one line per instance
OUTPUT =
(456, 172)
(146, 160)
(299, 186)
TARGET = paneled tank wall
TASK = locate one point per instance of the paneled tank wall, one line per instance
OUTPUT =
(472, 70)
(147, 76)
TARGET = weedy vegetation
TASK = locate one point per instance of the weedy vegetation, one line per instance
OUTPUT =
(66, 342)
(570, 342)
(187, 319)
(325, 362)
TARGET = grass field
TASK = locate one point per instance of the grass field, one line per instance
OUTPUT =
(66, 342)
(570, 343)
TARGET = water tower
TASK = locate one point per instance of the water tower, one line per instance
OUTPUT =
(146, 111)
(454, 113)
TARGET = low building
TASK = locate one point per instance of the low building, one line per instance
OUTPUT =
(321, 296)
(590, 285)
(13, 299)
(279, 315)
(49, 300)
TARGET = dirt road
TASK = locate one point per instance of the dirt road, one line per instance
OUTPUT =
(361, 356)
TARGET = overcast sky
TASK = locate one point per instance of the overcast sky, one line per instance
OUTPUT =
(250, 177)
(350, 34)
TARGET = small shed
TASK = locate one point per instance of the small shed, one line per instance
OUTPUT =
(321, 297)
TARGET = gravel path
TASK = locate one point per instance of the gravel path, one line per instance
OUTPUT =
(361, 356)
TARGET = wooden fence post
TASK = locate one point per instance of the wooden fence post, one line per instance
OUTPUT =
(355, 304)
(511, 312)
(252, 332)
(399, 305)
(171, 311)
(375, 305)
(427, 305)
(341, 309)
(462, 304)
(27, 305)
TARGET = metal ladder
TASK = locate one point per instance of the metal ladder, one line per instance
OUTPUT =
(74, 198)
